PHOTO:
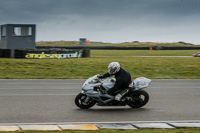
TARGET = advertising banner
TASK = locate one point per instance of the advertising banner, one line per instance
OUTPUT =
(47, 53)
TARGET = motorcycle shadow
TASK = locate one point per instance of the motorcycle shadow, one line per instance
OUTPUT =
(114, 109)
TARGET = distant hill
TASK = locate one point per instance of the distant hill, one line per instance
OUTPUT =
(124, 44)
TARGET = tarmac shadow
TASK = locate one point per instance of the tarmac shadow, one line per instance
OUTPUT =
(113, 109)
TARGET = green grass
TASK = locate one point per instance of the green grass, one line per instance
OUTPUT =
(112, 53)
(185, 130)
(82, 68)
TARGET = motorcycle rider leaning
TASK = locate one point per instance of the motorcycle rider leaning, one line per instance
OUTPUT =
(123, 84)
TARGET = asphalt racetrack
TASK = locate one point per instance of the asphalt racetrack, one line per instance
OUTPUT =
(52, 101)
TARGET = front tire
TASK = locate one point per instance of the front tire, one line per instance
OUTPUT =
(80, 101)
(140, 98)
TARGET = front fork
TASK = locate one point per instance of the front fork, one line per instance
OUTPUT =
(87, 99)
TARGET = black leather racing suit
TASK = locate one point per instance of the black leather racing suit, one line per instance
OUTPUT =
(123, 80)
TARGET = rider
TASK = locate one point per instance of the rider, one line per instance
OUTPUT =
(123, 82)
(196, 54)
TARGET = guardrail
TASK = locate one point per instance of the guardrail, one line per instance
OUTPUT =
(5, 53)
(22, 53)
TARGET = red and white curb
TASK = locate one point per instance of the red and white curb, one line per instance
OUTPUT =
(63, 127)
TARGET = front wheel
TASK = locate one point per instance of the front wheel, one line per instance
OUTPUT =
(140, 98)
(80, 101)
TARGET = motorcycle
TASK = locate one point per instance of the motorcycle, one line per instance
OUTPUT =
(196, 54)
(93, 92)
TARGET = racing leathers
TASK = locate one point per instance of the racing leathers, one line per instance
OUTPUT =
(123, 80)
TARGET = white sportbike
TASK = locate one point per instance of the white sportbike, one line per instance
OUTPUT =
(93, 92)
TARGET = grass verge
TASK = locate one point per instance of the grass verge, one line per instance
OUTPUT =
(81, 68)
(112, 53)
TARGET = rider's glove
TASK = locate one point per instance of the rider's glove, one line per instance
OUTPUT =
(98, 75)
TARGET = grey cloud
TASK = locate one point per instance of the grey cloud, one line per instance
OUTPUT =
(43, 9)
(104, 19)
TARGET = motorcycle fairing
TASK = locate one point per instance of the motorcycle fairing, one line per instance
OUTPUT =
(141, 82)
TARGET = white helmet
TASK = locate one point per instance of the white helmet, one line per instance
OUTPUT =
(113, 68)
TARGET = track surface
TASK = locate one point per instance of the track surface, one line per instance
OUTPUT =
(52, 101)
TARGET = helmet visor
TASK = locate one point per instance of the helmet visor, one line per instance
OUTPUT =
(112, 70)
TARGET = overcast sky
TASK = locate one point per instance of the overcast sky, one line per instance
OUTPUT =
(107, 20)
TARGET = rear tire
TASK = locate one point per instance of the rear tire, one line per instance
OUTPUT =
(80, 101)
(140, 98)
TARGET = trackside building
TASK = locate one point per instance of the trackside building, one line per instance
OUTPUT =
(17, 36)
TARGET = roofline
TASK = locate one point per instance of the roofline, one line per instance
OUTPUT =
(18, 24)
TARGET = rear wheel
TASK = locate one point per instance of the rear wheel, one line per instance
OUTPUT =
(80, 101)
(140, 98)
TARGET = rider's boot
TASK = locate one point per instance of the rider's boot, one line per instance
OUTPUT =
(123, 93)
(118, 97)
